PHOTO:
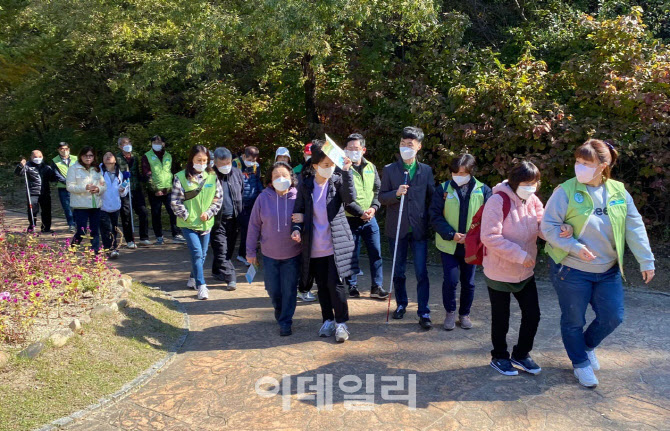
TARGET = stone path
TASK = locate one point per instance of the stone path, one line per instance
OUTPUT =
(234, 342)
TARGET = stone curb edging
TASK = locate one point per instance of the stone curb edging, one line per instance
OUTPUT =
(133, 385)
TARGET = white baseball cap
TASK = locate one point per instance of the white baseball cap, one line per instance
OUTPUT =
(282, 151)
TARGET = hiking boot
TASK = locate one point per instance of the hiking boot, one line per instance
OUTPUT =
(425, 322)
(450, 321)
(595, 364)
(465, 322)
(399, 312)
(353, 292)
(341, 333)
(306, 296)
(203, 292)
(586, 377)
(327, 329)
(131, 245)
(504, 367)
(378, 292)
(232, 285)
(528, 365)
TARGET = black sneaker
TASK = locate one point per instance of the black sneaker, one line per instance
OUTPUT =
(285, 332)
(425, 323)
(378, 292)
(504, 367)
(353, 292)
(399, 312)
(528, 365)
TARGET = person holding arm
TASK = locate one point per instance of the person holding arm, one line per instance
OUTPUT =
(320, 224)
(587, 267)
(270, 222)
(111, 203)
(195, 200)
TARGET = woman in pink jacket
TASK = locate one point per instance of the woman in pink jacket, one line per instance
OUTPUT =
(511, 250)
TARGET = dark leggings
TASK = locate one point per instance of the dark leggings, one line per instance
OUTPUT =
(332, 293)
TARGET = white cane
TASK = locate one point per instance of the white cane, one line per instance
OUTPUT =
(30, 202)
(395, 247)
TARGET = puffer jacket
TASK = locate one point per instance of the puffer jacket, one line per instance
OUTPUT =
(341, 192)
(509, 241)
(77, 179)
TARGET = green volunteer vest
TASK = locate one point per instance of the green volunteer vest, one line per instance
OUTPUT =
(298, 168)
(580, 208)
(62, 168)
(161, 173)
(452, 213)
(198, 204)
(364, 184)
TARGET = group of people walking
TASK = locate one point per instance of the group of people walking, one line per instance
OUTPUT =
(310, 220)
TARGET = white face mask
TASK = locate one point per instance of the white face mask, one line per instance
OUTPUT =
(37, 160)
(355, 156)
(249, 164)
(524, 192)
(128, 148)
(407, 153)
(225, 169)
(281, 184)
(65, 155)
(199, 168)
(326, 172)
(584, 173)
(156, 147)
(461, 180)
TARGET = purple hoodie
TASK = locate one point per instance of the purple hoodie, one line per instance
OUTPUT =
(271, 221)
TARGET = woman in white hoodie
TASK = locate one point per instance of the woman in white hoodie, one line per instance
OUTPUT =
(111, 203)
(86, 186)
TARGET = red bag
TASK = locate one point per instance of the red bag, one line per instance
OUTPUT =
(474, 249)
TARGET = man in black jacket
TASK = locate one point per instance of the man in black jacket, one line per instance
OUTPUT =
(39, 175)
(414, 224)
(224, 232)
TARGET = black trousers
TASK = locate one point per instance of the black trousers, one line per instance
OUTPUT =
(332, 293)
(500, 313)
(139, 208)
(222, 240)
(243, 224)
(108, 224)
(41, 204)
(156, 203)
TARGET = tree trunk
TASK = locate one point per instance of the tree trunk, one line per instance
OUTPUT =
(308, 74)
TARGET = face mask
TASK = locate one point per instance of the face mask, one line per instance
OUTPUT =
(407, 153)
(37, 160)
(249, 164)
(355, 156)
(584, 173)
(156, 147)
(281, 184)
(326, 172)
(461, 180)
(65, 155)
(199, 168)
(128, 148)
(225, 169)
(524, 192)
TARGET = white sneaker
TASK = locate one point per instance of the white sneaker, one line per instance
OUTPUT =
(586, 377)
(341, 333)
(191, 284)
(114, 254)
(145, 242)
(203, 293)
(593, 359)
(132, 245)
(306, 297)
(243, 260)
(327, 329)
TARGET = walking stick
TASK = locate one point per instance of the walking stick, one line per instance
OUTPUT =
(395, 247)
(33, 222)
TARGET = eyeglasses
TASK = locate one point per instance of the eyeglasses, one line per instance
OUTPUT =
(87, 155)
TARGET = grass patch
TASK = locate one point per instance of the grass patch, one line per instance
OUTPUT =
(111, 352)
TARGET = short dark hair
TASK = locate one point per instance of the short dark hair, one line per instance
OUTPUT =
(464, 160)
(251, 151)
(522, 172)
(195, 150)
(268, 176)
(94, 163)
(355, 137)
(155, 138)
(412, 132)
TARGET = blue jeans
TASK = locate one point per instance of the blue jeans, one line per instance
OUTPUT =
(281, 283)
(88, 222)
(576, 290)
(369, 231)
(455, 268)
(197, 245)
(420, 253)
(64, 197)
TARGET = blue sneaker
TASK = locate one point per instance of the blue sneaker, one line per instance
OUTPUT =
(528, 365)
(504, 367)
(160, 241)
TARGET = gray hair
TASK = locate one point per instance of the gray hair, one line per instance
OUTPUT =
(121, 139)
(222, 153)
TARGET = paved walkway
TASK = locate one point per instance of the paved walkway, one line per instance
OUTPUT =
(234, 342)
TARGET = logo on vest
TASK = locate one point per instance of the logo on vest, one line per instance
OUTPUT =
(579, 198)
(450, 196)
(617, 202)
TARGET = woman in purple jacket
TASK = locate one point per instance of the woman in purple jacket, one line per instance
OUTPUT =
(271, 222)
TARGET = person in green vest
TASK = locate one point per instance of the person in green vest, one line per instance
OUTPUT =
(60, 166)
(587, 267)
(157, 170)
(361, 217)
(196, 199)
(451, 211)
